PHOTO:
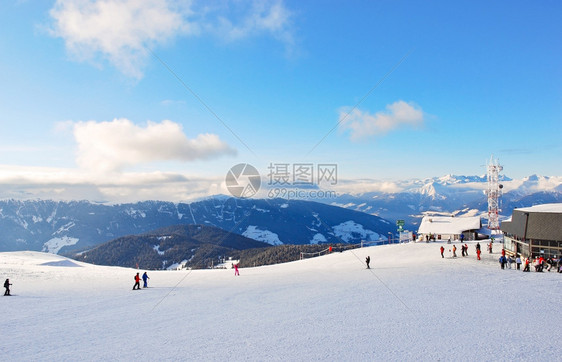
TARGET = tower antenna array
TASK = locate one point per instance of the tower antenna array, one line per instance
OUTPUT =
(494, 192)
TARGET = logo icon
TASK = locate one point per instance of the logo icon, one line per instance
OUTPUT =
(243, 180)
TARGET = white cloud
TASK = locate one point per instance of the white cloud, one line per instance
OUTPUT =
(123, 31)
(262, 16)
(363, 124)
(119, 30)
(111, 146)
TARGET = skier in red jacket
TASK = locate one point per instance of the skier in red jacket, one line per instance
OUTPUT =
(442, 250)
(137, 282)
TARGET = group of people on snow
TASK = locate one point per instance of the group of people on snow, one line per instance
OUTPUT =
(137, 281)
(540, 263)
(464, 250)
(145, 278)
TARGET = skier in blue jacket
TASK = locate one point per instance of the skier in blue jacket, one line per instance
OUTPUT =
(145, 280)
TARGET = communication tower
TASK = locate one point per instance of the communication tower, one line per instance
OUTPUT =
(494, 192)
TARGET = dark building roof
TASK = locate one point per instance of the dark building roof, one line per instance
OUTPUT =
(543, 222)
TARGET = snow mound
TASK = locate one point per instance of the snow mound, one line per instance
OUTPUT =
(65, 263)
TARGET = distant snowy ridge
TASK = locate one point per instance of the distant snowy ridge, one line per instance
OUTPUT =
(450, 194)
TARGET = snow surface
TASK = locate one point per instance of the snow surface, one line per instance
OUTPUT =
(135, 213)
(65, 228)
(318, 238)
(411, 306)
(177, 266)
(448, 224)
(350, 229)
(265, 236)
(55, 244)
(259, 209)
(157, 249)
(550, 208)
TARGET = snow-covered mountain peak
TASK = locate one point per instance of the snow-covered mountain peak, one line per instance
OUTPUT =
(532, 178)
(428, 190)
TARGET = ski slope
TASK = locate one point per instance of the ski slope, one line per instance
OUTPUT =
(412, 305)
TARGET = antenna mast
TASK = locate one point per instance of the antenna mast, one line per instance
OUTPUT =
(494, 191)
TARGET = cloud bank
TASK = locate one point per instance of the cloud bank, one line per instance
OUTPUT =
(112, 146)
(24, 182)
(123, 31)
(363, 124)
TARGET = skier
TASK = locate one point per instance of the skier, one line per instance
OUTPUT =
(490, 247)
(502, 262)
(236, 272)
(7, 286)
(518, 262)
(368, 260)
(466, 249)
(462, 250)
(477, 246)
(526, 268)
(549, 263)
(539, 264)
(137, 282)
(454, 251)
(478, 254)
(145, 280)
(442, 250)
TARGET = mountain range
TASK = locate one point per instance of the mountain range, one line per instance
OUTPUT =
(63, 227)
(171, 247)
(194, 247)
(71, 226)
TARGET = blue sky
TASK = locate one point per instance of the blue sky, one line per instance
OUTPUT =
(122, 100)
